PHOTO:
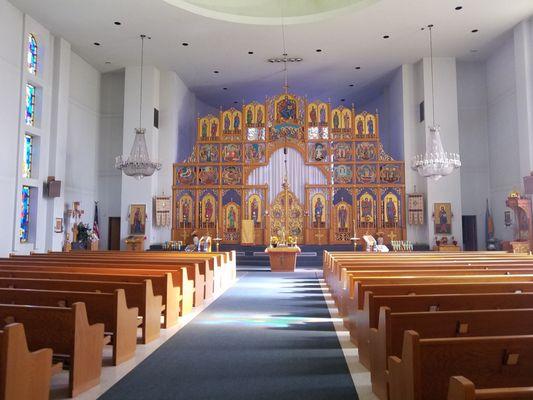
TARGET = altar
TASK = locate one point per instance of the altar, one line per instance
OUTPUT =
(283, 259)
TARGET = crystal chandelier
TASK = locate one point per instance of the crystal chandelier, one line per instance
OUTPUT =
(138, 163)
(435, 163)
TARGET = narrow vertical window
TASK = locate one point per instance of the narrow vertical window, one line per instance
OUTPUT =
(30, 105)
(32, 54)
(25, 215)
(28, 156)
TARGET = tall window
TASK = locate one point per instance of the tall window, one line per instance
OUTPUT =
(30, 105)
(25, 215)
(28, 156)
(32, 54)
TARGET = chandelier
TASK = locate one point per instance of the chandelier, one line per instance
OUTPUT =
(435, 163)
(138, 163)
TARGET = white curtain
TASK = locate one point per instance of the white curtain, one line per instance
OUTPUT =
(298, 174)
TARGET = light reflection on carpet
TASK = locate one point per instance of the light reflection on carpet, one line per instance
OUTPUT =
(264, 320)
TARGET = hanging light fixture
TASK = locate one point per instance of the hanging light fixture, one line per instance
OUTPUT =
(435, 163)
(138, 163)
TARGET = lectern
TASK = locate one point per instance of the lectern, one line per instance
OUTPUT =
(283, 259)
(134, 243)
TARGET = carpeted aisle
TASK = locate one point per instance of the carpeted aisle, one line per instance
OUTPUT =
(268, 337)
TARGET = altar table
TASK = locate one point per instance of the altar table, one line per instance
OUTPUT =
(283, 259)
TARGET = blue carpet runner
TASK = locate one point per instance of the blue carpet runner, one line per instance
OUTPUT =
(268, 337)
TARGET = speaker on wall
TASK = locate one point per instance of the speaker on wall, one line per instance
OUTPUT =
(53, 187)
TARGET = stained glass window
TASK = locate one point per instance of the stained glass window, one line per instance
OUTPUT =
(25, 215)
(32, 54)
(28, 155)
(30, 105)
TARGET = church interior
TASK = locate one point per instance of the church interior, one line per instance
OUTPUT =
(248, 199)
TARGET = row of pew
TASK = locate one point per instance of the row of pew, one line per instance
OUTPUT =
(438, 326)
(59, 310)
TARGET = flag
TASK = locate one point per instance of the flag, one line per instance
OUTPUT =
(489, 224)
(96, 229)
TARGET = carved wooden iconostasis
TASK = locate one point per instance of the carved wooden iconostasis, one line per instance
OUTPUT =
(341, 175)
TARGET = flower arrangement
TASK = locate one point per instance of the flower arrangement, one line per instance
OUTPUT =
(291, 241)
(274, 241)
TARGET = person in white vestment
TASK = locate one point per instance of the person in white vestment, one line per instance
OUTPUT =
(381, 247)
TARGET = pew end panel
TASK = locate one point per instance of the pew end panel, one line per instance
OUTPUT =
(24, 374)
(125, 339)
(86, 360)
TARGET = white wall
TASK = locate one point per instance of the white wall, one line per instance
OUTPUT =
(473, 138)
(81, 181)
(110, 146)
(11, 28)
(504, 163)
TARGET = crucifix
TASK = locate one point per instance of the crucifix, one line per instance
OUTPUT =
(184, 236)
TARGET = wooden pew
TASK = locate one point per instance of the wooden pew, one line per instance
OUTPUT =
(426, 365)
(162, 283)
(24, 374)
(138, 295)
(110, 309)
(461, 388)
(68, 333)
(405, 289)
(191, 289)
(371, 330)
(387, 340)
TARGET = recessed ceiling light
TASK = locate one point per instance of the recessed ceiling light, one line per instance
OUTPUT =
(474, 51)
(235, 102)
(185, 44)
(117, 23)
(386, 36)
(216, 72)
(357, 67)
(250, 52)
(343, 100)
(475, 30)
(224, 88)
(351, 85)
(96, 44)
(459, 8)
(108, 62)
(318, 50)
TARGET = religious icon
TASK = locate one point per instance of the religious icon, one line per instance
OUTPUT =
(319, 152)
(370, 127)
(365, 151)
(236, 122)
(204, 130)
(214, 127)
(226, 123)
(231, 218)
(208, 153)
(342, 151)
(255, 212)
(367, 209)
(336, 120)
(231, 153)
(313, 116)
(365, 174)
(391, 211)
(286, 108)
(390, 173)
(58, 226)
(185, 175)
(346, 120)
(259, 115)
(255, 152)
(208, 211)
(208, 175)
(442, 218)
(360, 127)
(342, 216)
(323, 115)
(342, 174)
(249, 116)
(137, 219)
(231, 175)
(318, 211)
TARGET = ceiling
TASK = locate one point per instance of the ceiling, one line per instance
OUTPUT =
(349, 33)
